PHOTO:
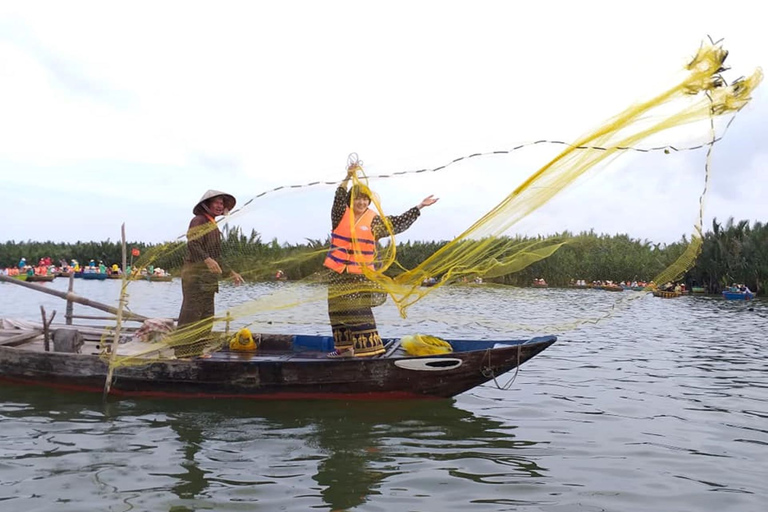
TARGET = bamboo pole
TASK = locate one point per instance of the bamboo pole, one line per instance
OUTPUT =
(70, 307)
(46, 329)
(120, 310)
(74, 298)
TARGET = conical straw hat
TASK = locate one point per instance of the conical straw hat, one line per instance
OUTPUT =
(229, 201)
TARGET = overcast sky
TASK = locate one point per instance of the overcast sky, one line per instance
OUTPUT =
(128, 112)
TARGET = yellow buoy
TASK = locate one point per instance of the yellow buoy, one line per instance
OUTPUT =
(243, 341)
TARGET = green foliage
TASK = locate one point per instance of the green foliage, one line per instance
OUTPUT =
(736, 252)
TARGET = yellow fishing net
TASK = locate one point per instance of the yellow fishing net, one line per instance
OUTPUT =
(487, 248)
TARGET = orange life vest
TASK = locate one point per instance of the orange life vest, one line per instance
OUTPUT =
(348, 254)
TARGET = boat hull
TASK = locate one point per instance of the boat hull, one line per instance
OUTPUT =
(160, 279)
(280, 370)
(664, 294)
(93, 276)
(40, 279)
(738, 295)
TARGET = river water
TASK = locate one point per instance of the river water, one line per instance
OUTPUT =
(662, 405)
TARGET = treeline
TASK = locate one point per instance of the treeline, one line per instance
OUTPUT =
(734, 252)
(730, 253)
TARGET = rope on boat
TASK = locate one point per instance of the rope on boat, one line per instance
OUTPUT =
(488, 372)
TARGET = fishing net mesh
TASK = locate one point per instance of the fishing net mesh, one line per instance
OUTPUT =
(488, 248)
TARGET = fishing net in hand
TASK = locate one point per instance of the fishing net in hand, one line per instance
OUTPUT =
(488, 248)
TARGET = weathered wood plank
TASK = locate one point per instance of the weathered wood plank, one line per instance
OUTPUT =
(18, 339)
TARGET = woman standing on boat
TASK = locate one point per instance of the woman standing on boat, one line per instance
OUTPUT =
(202, 262)
(353, 245)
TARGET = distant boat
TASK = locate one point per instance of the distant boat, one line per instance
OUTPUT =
(738, 295)
(93, 275)
(162, 279)
(40, 279)
(698, 289)
(666, 294)
(613, 288)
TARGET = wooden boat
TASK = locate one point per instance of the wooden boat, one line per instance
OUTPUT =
(114, 276)
(738, 295)
(159, 279)
(613, 288)
(40, 279)
(664, 294)
(62, 273)
(284, 367)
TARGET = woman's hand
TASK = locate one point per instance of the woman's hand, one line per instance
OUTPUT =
(351, 170)
(237, 278)
(427, 201)
(212, 265)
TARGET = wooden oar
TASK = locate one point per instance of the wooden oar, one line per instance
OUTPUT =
(74, 298)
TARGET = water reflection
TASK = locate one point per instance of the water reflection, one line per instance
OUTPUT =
(350, 448)
(192, 481)
(333, 453)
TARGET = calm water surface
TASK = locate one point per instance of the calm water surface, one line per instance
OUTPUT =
(663, 405)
